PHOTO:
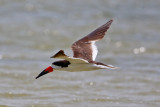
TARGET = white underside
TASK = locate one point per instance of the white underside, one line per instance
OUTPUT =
(80, 67)
(78, 64)
(73, 60)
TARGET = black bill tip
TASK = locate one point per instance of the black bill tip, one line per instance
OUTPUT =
(41, 74)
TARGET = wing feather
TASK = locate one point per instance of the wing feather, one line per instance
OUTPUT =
(85, 48)
(62, 55)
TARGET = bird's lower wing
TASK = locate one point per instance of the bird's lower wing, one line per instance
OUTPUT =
(101, 65)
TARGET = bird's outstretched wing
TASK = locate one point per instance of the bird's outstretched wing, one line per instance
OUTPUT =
(85, 48)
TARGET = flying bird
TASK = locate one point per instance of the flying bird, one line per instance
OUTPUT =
(84, 54)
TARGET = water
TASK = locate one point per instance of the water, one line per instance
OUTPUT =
(31, 31)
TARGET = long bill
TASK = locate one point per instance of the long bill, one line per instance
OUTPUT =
(47, 70)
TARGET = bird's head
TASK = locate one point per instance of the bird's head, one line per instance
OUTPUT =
(47, 70)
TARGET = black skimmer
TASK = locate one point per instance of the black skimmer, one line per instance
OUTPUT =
(84, 54)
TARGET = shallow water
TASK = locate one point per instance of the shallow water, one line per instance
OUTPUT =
(32, 31)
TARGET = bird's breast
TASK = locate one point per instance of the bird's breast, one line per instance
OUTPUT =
(81, 67)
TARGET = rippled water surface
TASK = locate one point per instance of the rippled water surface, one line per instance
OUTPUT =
(33, 30)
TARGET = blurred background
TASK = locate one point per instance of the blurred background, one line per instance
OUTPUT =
(33, 30)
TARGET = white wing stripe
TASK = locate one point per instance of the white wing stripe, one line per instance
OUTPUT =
(94, 50)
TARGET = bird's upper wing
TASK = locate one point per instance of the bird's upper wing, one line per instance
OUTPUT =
(85, 48)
